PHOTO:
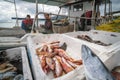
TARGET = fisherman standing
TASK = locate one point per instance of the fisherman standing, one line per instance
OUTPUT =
(27, 24)
(47, 25)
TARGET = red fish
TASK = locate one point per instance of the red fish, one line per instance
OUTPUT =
(58, 67)
(46, 69)
(66, 67)
(72, 64)
(42, 61)
(50, 62)
(62, 53)
(77, 62)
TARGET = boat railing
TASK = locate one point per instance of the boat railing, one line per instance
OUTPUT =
(75, 18)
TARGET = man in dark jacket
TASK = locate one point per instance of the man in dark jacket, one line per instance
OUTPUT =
(48, 24)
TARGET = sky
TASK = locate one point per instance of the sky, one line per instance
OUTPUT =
(115, 6)
(7, 9)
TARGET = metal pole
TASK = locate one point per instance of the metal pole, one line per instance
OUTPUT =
(16, 14)
(37, 15)
(93, 16)
(98, 11)
(62, 15)
(105, 9)
(86, 26)
(69, 12)
(111, 10)
(58, 13)
(75, 24)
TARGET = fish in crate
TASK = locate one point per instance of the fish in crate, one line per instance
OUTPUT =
(54, 58)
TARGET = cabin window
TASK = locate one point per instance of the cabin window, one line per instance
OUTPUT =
(78, 7)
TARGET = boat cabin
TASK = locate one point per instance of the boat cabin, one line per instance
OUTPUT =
(77, 8)
(87, 10)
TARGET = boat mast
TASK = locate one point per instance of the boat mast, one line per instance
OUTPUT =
(37, 13)
(16, 24)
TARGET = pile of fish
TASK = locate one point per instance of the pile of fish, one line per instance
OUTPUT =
(54, 58)
(89, 39)
(7, 70)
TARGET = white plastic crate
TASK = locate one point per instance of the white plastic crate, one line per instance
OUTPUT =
(21, 51)
(103, 36)
(73, 49)
(109, 57)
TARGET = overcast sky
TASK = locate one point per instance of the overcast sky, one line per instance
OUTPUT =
(115, 6)
(7, 9)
